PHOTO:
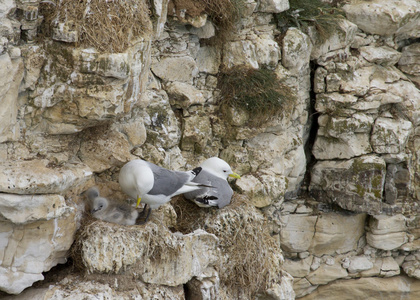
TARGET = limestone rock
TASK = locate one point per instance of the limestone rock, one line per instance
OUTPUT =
(204, 287)
(297, 234)
(171, 259)
(208, 60)
(390, 135)
(238, 53)
(105, 149)
(65, 32)
(389, 267)
(366, 288)
(326, 273)
(196, 133)
(171, 68)
(340, 38)
(273, 6)
(206, 31)
(268, 52)
(72, 287)
(303, 287)
(184, 95)
(377, 17)
(39, 177)
(355, 184)
(298, 268)
(382, 224)
(35, 247)
(410, 59)
(296, 50)
(23, 209)
(380, 55)
(389, 241)
(11, 75)
(332, 235)
(359, 264)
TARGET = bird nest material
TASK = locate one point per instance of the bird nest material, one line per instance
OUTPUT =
(108, 26)
(248, 251)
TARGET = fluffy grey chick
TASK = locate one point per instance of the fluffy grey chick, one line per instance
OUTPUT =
(110, 211)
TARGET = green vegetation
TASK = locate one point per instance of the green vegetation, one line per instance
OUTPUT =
(256, 91)
(305, 13)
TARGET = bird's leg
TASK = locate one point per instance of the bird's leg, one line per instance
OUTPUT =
(138, 201)
(143, 212)
(141, 215)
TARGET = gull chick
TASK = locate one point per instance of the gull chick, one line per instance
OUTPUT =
(110, 211)
(214, 173)
(154, 185)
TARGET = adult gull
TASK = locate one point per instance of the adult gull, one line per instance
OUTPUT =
(214, 173)
(154, 185)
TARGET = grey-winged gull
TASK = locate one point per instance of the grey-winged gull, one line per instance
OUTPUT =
(215, 172)
(154, 185)
(110, 211)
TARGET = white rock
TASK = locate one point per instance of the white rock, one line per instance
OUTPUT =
(389, 241)
(22, 209)
(114, 65)
(5, 7)
(174, 68)
(341, 37)
(410, 59)
(110, 249)
(29, 250)
(273, 6)
(296, 50)
(239, 53)
(204, 32)
(298, 268)
(386, 19)
(268, 52)
(183, 95)
(359, 264)
(380, 55)
(208, 60)
(389, 267)
(383, 224)
(326, 273)
(390, 135)
(297, 233)
(11, 75)
(37, 177)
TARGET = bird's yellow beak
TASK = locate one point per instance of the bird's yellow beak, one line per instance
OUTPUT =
(234, 175)
(138, 201)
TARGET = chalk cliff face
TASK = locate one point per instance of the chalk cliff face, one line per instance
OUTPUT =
(332, 183)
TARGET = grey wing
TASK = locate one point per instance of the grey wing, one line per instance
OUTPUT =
(220, 193)
(167, 182)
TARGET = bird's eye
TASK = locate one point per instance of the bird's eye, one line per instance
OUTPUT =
(225, 171)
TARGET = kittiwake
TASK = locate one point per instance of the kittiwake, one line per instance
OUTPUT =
(110, 211)
(154, 185)
(214, 173)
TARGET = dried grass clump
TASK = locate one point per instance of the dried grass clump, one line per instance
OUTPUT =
(108, 26)
(256, 91)
(303, 13)
(248, 250)
(223, 13)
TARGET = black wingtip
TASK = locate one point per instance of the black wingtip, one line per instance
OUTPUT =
(196, 171)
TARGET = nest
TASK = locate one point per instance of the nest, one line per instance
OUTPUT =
(108, 26)
(248, 250)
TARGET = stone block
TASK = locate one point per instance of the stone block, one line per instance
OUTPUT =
(355, 184)
(390, 135)
(384, 55)
(175, 68)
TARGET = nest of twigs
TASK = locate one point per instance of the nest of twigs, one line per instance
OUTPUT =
(248, 250)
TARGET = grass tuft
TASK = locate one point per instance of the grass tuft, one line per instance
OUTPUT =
(304, 13)
(256, 91)
(108, 26)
